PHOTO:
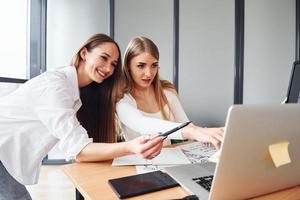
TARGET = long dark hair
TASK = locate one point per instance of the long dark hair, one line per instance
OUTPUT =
(97, 113)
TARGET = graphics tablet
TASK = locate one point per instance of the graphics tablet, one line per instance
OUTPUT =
(141, 183)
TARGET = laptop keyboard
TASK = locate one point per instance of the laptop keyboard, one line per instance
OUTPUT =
(204, 181)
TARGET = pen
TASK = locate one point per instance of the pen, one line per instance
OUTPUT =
(165, 134)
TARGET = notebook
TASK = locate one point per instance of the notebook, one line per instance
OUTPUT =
(259, 155)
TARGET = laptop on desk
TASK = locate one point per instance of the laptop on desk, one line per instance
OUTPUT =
(246, 168)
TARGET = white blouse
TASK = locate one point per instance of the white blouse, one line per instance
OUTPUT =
(35, 117)
(135, 122)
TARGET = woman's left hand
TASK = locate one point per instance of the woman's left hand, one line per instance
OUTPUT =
(211, 135)
(206, 135)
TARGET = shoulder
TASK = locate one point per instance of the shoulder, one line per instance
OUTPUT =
(55, 83)
(127, 98)
(60, 74)
(168, 86)
(170, 95)
(50, 77)
(63, 78)
(46, 81)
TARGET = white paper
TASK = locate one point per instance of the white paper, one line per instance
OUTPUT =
(141, 169)
(215, 157)
(197, 152)
(168, 156)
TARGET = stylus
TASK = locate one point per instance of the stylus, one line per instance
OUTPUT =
(165, 134)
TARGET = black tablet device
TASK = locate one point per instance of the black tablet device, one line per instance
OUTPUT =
(141, 183)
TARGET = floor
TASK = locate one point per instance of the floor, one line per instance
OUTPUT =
(53, 184)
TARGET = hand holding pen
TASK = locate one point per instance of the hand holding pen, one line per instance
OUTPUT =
(149, 146)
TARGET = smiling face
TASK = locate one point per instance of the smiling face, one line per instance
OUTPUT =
(143, 68)
(99, 63)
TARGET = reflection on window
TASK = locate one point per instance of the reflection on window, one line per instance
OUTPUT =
(13, 38)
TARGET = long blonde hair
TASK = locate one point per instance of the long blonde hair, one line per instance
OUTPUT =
(135, 47)
(99, 100)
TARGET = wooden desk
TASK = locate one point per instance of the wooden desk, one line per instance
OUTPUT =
(90, 179)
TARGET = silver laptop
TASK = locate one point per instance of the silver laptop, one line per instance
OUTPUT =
(245, 168)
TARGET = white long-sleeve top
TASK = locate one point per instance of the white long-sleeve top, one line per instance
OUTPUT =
(135, 122)
(35, 117)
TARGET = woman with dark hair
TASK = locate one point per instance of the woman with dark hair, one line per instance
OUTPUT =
(43, 112)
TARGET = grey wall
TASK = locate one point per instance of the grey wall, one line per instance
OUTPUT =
(205, 55)
(206, 45)
(206, 58)
(153, 19)
(269, 49)
(69, 24)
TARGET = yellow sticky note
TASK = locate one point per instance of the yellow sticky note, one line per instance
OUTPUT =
(215, 157)
(279, 153)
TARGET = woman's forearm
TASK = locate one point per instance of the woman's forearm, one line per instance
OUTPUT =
(187, 132)
(103, 151)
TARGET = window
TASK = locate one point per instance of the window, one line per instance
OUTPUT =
(13, 39)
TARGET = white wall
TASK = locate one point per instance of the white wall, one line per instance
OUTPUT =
(269, 49)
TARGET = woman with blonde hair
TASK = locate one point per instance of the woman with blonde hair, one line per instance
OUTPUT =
(150, 104)
(42, 112)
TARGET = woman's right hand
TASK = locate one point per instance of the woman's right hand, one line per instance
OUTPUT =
(148, 146)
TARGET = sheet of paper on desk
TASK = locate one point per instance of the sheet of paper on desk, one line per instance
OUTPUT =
(168, 156)
(141, 169)
(197, 152)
